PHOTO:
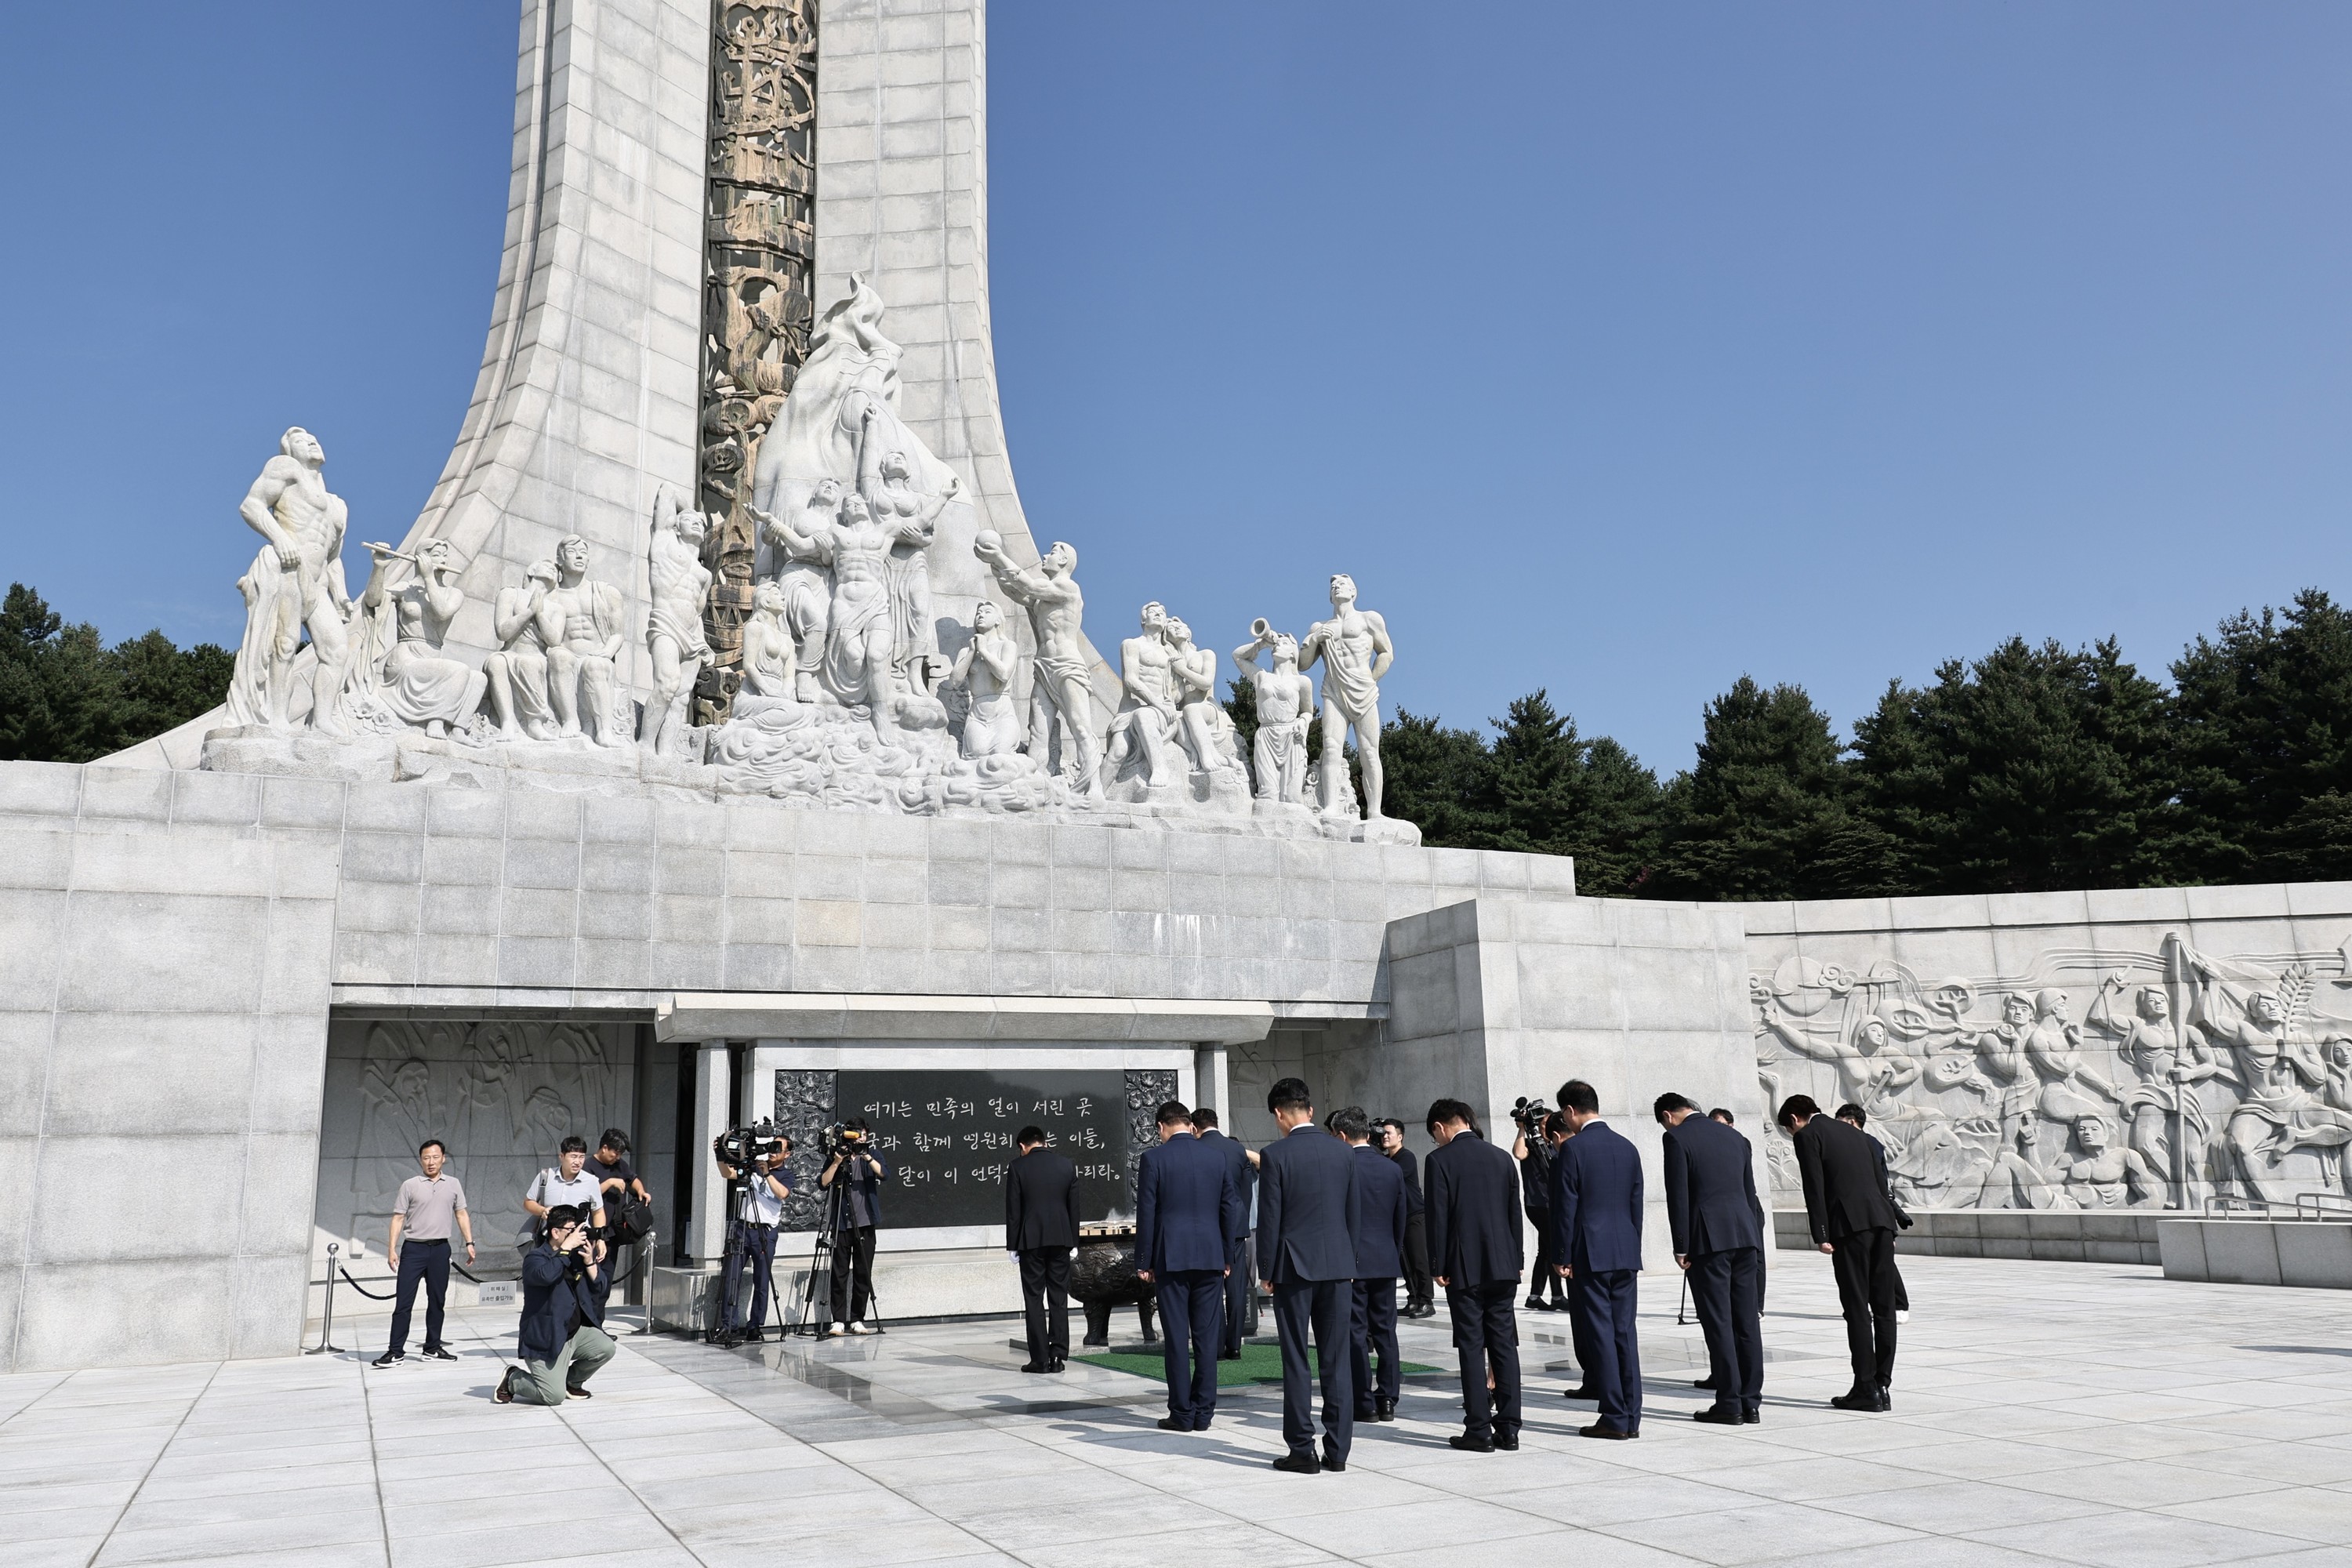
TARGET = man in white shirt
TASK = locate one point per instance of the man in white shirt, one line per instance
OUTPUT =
(762, 1212)
(568, 1185)
(428, 1206)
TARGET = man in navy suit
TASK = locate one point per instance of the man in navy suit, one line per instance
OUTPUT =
(1238, 1307)
(1718, 1229)
(1380, 1212)
(1597, 1206)
(1478, 1252)
(1186, 1204)
(1307, 1207)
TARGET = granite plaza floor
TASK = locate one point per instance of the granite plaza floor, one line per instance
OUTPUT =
(2044, 1413)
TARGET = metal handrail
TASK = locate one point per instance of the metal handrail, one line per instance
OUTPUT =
(2318, 1203)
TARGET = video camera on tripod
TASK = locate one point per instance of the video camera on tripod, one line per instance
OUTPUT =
(739, 1146)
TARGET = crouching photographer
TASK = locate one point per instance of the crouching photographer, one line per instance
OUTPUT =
(759, 1161)
(562, 1341)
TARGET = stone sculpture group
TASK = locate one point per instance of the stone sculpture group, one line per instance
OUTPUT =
(2184, 1078)
(832, 689)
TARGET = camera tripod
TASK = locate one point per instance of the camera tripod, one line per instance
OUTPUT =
(820, 1268)
(723, 1331)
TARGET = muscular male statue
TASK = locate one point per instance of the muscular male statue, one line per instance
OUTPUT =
(580, 622)
(680, 585)
(1355, 649)
(807, 590)
(518, 671)
(859, 642)
(1061, 694)
(1140, 730)
(296, 582)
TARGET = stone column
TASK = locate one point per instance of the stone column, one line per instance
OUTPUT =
(705, 1223)
(1212, 1084)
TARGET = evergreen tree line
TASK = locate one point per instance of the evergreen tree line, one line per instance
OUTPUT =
(66, 696)
(2031, 768)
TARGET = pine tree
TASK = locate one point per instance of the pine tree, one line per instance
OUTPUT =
(1439, 779)
(66, 696)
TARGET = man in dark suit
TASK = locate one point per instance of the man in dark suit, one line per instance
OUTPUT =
(1307, 1204)
(1477, 1252)
(1380, 1257)
(1854, 1221)
(1597, 1206)
(1718, 1229)
(1041, 1229)
(1186, 1204)
(1239, 1307)
(1388, 1137)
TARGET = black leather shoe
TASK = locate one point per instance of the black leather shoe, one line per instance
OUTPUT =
(390, 1358)
(1471, 1445)
(1334, 1466)
(1868, 1401)
(1384, 1410)
(755, 1336)
(1707, 1382)
(1614, 1435)
(1229, 1355)
(1299, 1464)
(438, 1352)
(1718, 1416)
(1036, 1367)
(1751, 1416)
(1507, 1442)
(1171, 1424)
(1587, 1392)
(1535, 1304)
(1059, 1365)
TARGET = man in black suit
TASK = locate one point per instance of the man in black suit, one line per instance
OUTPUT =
(1597, 1206)
(1307, 1204)
(1477, 1252)
(1041, 1229)
(1717, 1223)
(1388, 1137)
(1380, 1258)
(1239, 1307)
(1186, 1204)
(1853, 1221)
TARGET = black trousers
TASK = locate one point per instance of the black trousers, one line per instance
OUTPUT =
(1580, 1333)
(852, 1273)
(1191, 1323)
(1238, 1296)
(428, 1261)
(1728, 1289)
(1045, 1288)
(1418, 1288)
(1545, 1281)
(1867, 1284)
(756, 1251)
(1323, 1307)
(1371, 1332)
(1486, 1339)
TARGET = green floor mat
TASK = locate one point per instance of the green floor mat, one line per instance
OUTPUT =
(1259, 1363)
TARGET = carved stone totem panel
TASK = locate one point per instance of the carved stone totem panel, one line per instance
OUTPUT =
(804, 1107)
(1147, 1089)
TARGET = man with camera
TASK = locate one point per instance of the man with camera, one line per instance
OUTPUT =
(1307, 1203)
(1041, 1229)
(561, 1343)
(1477, 1244)
(1239, 1307)
(1186, 1204)
(1388, 1137)
(422, 1215)
(1540, 1135)
(853, 1181)
(765, 1188)
(1718, 1229)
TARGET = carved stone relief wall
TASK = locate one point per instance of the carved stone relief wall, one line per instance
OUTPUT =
(2080, 1077)
(501, 1094)
(1147, 1089)
(804, 1107)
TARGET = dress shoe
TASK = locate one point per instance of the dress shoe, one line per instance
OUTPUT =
(438, 1352)
(1869, 1401)
(1586, 1392)
(1614, 1435)
(1299, 1464)
(1505, 1442)
(1334, 1466)
(755, 1336)
(1036, 1367)
(1175, 1424)
(390, 1358)
(1470, 1443)
(1058, 1365)
(573, 1393)
(1751, 1416)
(1229, 1355)
(1202, 1424)
(1707, 1382)
(1718, 1416)
(1535, 1304)
(1384, 1410)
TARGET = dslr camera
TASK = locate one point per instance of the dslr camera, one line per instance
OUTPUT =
(739, 1146)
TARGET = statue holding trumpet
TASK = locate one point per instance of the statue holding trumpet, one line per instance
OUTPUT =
(1285, 699)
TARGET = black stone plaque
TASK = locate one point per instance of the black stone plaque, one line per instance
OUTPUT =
(946, 1138)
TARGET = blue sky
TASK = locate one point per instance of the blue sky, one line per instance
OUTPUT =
(1619, 350)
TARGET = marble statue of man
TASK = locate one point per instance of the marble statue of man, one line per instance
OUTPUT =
(1201, 725)
(984, 669)
(1355, 649)
(2168, 1127)
(2107, 1177)
(418, 683)
(886, 482)
(580, 621)
(808, 587)
(769, 656)
(859, 638)
(1061, 694)
(518, 671)
(1285, 699)
(680, 583)
(295, 583)
(1146, 719)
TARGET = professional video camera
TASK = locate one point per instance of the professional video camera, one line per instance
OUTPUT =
(739, 1146)
(842, 1139)
(1529, 1114)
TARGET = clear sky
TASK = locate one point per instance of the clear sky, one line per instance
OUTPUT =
(1615, 349)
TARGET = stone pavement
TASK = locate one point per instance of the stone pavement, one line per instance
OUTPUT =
(2045, 1412)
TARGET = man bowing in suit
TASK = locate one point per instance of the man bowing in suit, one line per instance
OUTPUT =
(1719, 1231)
(1041, 1229)
(1477, 1250)
(1597, 1206)
(1380, 1211)
(1854, 1221)
(1186, 1202)
(1306, 1205)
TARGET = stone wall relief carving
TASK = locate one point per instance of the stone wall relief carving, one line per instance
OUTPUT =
(2165, 1079)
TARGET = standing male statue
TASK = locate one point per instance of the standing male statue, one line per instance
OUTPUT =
(886, 479)
(1061, 693)
(518, 671)
(1285, 699)
(858, 645)
(296, 582)
(808, 588)
(580, 622)
(680, 583)
(1355, 649)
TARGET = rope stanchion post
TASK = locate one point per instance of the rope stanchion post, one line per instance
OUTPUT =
(327, 1330)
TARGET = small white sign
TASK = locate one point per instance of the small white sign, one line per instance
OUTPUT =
(497, 1293)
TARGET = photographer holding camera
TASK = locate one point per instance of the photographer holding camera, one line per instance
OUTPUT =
(853, 1174)
(1537, 1147)
(759, 1213)
(561, 1343)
